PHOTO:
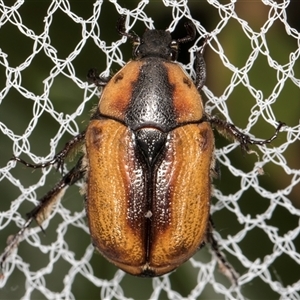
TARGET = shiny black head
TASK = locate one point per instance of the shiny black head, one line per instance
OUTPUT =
(156, 43)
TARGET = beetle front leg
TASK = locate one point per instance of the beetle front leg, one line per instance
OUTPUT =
(94, 77)
(230, 131)
(59, 157)
(200, 67)
(224, 265)
(42, 211)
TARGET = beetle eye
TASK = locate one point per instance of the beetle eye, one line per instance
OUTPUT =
(174, 45)
(136, 50)
(174, 50)
(136, 43)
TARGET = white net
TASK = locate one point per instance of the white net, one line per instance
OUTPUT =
(253, 81)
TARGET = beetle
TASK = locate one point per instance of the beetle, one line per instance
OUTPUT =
(148, 161)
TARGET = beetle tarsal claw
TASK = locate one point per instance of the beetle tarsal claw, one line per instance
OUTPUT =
(224, 266)
(13, 243)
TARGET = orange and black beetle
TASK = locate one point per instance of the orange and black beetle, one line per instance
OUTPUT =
(149, 156)
(148, 159)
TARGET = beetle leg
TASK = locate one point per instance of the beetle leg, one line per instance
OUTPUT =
(200, 70)
(224, 265)
(59, 157)
(215, 172)
(122, 30)
(94, 77)
(42, 211)
(229, 130)
(200, 67)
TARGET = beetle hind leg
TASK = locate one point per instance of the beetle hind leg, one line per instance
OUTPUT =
(44, 208)
(224, 265)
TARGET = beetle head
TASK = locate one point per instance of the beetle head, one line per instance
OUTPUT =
(156, 43)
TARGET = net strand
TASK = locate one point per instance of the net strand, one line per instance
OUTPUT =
(281, 244)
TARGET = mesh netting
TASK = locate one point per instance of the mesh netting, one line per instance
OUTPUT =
(253, 81)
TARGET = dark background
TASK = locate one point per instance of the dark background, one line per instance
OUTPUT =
(66, 96)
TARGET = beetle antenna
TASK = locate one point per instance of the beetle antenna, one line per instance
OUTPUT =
(122, 30)
(191, 33)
